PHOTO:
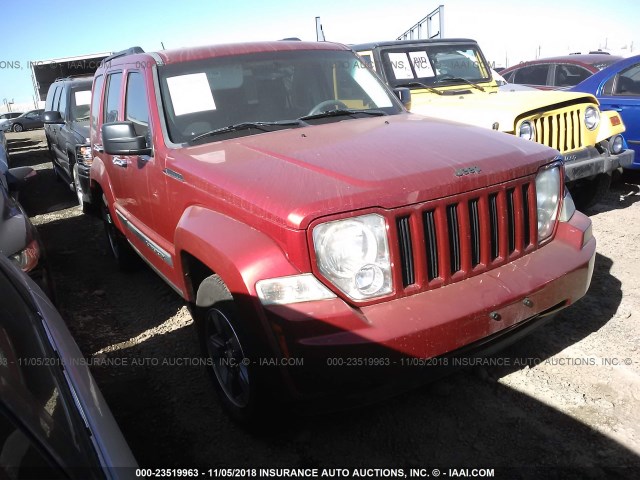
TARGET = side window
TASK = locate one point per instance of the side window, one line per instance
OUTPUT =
(62, 108)
(136, 107)
(56, 99)
(532, 75)
(112, 100)
(95, 101)
(607, 88)
(629, 81)
(50, 97)
(570, 75)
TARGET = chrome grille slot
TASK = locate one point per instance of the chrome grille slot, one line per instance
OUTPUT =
(493, 226)
(474, 229)
(454, 237)
(406, 250)
(431, 244)
(511, 220)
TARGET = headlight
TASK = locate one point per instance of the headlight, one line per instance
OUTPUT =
(83, 154)
(293, 289)
(353, 254)
(591, 117)
(527, 131)
(616, 144)
(548, 200)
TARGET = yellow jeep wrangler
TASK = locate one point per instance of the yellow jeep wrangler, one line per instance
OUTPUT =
(451, 79)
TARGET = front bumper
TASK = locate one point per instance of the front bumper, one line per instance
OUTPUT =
(589, 162)
(84, 179)
(346, 349)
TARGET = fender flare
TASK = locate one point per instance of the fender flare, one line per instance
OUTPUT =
(237, 252)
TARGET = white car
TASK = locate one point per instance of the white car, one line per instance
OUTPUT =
(5, 120)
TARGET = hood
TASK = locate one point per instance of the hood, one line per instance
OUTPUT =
(503, 107)
(294, 176)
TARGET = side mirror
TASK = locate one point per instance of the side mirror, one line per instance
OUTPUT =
(404, 94)
(119, 138)
(52, 117)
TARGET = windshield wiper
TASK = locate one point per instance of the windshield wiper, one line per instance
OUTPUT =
(339, 112)
(262, 126)
(421, 85)
(451, 77)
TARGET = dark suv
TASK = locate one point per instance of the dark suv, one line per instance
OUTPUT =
(66, 120)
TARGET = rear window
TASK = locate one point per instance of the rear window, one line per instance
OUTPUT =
(532, 75)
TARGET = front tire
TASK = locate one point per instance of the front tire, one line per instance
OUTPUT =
(587, 193)
(230, 353)
(18, 127)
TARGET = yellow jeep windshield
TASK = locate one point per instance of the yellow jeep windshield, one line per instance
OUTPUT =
(439, 66)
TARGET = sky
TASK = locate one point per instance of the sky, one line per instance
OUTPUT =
(508, 31)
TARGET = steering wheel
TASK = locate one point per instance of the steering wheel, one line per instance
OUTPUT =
(322, 106)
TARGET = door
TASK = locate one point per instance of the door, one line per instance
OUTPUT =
(51, 129)
(622, 94)
(111, 110)
(135, 169)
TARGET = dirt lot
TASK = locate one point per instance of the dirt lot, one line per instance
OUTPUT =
(565, 400)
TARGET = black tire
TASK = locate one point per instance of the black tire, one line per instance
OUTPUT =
(17, 127)
(229, 350)
(124, 255)
(587, 193)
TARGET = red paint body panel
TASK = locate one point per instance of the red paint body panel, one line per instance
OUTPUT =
(443, 320)
(245, 207)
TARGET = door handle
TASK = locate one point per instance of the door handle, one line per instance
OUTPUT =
(616, 108)
(119, 162)
(98, 148)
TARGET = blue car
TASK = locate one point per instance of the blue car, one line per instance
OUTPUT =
(617, 87)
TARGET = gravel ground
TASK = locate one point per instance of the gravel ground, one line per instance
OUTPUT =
(566, 400)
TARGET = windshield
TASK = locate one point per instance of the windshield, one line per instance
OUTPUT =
(436, 66)
(206, 95)
(81, 103)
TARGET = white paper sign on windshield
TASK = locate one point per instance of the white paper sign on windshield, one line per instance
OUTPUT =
(83, 97)
(191, 93)
(400, 65)
(421, 64)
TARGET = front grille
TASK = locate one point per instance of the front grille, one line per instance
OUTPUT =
(562, 131)
(458, 237)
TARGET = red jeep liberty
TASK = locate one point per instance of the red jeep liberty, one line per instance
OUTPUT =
(327, 241)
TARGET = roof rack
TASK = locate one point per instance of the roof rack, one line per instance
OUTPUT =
(122, 53)
(71, 77)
